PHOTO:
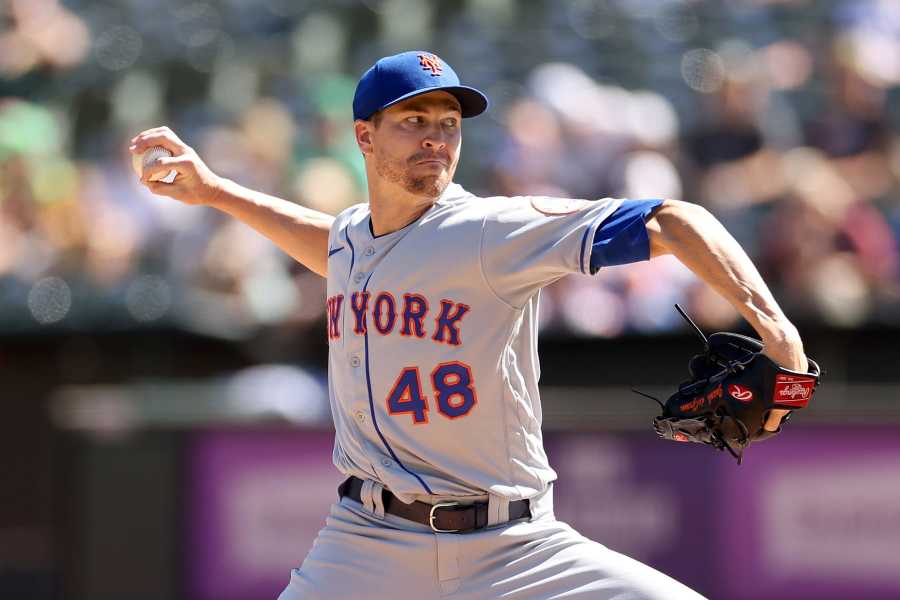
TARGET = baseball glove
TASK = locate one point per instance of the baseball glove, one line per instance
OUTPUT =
(732, 388)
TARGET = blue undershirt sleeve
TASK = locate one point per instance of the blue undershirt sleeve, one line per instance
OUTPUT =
(622, 237)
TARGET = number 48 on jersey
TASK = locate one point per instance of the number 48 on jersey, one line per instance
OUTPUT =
(453, 388)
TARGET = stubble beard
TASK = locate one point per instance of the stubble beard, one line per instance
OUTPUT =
(427, 186)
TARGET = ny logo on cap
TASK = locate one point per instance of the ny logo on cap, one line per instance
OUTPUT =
(432, 62)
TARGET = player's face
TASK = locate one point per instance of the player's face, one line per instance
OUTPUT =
(416, 143)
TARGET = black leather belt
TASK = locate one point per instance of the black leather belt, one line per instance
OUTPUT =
(443, 517)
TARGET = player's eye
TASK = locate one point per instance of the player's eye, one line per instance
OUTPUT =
(450, 122)
(414, 120)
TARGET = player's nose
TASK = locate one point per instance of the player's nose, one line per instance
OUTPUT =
(434, 143)
(435, 138)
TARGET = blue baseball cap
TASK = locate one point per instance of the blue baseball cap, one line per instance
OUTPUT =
(402, 76)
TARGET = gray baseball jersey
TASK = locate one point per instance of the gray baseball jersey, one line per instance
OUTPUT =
(432, 330)
(433, 381)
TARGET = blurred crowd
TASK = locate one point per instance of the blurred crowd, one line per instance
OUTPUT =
(779, 116)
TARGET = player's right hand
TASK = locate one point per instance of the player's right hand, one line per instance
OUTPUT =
(194, 183)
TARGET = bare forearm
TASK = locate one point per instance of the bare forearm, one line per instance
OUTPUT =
(701, 243)
(301, 232)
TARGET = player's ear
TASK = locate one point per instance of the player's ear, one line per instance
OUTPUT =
(363, 131)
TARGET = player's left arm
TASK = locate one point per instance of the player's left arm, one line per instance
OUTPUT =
(694, 236)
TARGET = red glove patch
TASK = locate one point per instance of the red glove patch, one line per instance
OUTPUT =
(793, 390)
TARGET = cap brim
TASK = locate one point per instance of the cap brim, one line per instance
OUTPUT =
(471, 101)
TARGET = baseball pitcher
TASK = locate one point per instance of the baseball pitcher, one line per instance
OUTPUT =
(433, 370)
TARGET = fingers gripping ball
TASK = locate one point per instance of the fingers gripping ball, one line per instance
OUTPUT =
(732, 388)
(148, 157)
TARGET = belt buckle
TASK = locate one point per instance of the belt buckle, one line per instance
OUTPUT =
(432, 516)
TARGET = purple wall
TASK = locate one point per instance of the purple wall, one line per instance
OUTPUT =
(255, 502)
(812, 514)
(640, 496)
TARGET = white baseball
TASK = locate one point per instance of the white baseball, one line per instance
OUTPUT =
(148, 157)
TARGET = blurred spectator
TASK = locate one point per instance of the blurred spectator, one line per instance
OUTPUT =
(777, 116)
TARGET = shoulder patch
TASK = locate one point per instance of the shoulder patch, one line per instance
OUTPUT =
(557, 206)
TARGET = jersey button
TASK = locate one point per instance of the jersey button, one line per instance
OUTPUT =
(386, 462)
(354, 361)
(358, 277)
(360, 416)
(370, 251)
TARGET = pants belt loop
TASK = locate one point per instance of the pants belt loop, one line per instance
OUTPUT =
(498, 509)
(378, 499)
(366, 496)
(542, 504)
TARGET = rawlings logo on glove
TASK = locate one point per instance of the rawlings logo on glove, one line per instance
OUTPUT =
(732, 388)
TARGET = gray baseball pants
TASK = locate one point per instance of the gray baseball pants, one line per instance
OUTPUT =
(364, 553)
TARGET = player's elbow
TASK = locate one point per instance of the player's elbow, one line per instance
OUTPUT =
(669, 219)
(685, 212)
